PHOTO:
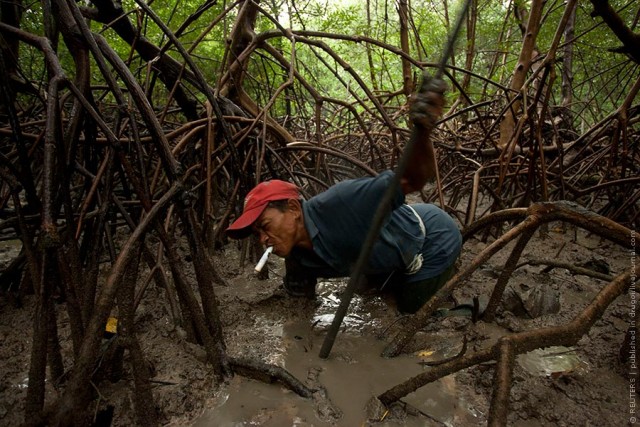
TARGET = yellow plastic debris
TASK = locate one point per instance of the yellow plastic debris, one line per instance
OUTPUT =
(112, 325)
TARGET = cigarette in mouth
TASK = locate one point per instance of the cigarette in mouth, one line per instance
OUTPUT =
(263, 260)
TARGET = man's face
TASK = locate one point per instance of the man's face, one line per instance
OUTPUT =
(277, 228)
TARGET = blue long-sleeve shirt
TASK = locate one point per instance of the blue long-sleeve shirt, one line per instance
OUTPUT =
(338, 221)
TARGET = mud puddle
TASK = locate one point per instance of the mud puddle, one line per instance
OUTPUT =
(353, 373)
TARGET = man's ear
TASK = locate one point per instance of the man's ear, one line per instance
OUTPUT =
(295, 206)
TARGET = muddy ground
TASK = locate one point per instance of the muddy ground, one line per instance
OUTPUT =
(578, 386)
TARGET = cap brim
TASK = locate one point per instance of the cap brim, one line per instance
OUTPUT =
(241, 227)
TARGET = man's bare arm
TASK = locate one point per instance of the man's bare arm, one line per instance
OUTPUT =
(426, 108)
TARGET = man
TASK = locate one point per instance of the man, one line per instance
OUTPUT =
(418, 244)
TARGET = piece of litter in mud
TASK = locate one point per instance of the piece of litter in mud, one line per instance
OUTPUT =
(552, 361)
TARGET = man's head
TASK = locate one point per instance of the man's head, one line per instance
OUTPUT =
(272, 210)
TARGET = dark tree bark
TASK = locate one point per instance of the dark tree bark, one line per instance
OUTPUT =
(630, 40)
(170, 71)
(11, 14)
(567, 71)
(403, 13)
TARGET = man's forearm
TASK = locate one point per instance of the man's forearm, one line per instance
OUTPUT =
(426, 108)
(421, 167)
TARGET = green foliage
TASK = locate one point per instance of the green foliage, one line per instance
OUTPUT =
(601, 77)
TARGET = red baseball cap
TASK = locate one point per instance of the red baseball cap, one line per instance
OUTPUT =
(256, 202)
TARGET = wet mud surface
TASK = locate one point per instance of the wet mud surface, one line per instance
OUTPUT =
(582, 385)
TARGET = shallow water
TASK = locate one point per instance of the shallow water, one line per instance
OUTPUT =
(353, 373)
